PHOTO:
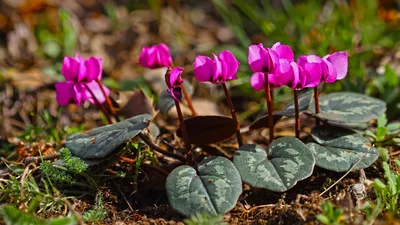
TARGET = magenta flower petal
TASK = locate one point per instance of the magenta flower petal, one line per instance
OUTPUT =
(329, 72)
(70, 68)
(93, 68)
(259, 59)
(156, 56)
(283, 51)
(82, 73)
(174, 80)
(312, 66)
(220, 70)
(144, 57)
(176, 93)
(95, 88)
(203, 68)
(339, 61)
(282, 75)
(65, 93)
(164, 55)
(257, 81)
(231, 63)
(299, 77)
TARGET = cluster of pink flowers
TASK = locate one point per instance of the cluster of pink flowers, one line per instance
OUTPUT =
(80, 74)
(277, 62)
(309, 71)
(83, 75)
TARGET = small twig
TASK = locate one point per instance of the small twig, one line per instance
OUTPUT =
(334, 184)
(123, 195)
(37, 159)
(160, 150)
(76, 214)
(22, 181)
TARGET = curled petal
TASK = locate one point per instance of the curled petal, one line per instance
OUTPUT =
(299, 77)
(329, 72)
(93, 68)
(339, 61)
(283, 51)
(231, 63)
(203, 68)
(70, 68)
(259, 59)
(173, 78)
(65, 93)
(176, 93)
(257, 81)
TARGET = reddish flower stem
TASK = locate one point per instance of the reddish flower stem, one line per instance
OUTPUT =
(99, 104)
(316, 101)
(270, 108)
(108, 101)
(233, 113)
(184, 133)
(188, 100)
(296, 114)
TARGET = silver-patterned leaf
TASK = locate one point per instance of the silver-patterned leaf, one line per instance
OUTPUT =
(288, 162)
(349, 107)
(102, 141)
(338, 149)
(304, 102)
(215, 189)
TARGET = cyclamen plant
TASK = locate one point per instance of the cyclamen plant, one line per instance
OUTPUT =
(216, 184)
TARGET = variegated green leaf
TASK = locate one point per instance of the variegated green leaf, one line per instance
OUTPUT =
(338, 148)
(288, 161)
(214, 189)
(304, 102)
(102, 141)
(349, 107)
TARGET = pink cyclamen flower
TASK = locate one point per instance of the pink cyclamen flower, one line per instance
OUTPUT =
(156, 56)
(174, 81)
(217, 70)
(336, 66)
(312, 66)
(275, 61)
(80, 73)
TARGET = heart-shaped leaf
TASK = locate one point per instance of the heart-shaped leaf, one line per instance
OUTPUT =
(338, 149)
(203, 130)
(215, 189)
(262, 122)
(304, 102)
(166, 101)
(349, 107)
(288, 161)
(100, 142)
